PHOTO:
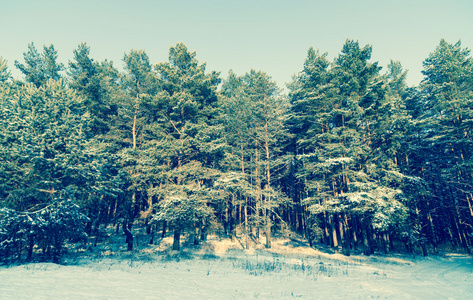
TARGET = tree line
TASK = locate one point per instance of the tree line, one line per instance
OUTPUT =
(350, 156)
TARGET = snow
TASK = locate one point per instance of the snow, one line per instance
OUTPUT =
(289, 270)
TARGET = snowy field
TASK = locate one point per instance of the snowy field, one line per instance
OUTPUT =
(284, 272)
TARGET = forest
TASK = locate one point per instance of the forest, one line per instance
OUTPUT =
(347, 156)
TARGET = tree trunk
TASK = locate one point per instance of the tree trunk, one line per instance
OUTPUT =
(433, 232)
(334, 239)
(149, 212)
(258, 195)
(465, 242)
(345, 231)
(246, 200)
(133, 132)
(177, 240)
(268, 198)
(30, 247)
(338, 231)
(232, 217)
(129, 236)
(268, 232)
(203, 231)
(57, 248)
(366, 240)
(327, 239)
(385, 241)
(424, 249)
(246, 225)
(163, 235)
(354, 231)
(20, 246)
(196, 236)
(300, 222)
(307, 232)
(151, 233)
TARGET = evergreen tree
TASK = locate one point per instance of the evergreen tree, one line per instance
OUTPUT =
(255, 113)
(98, 84)
(39, 68)
(140, 86)
(443, 124)
(310, 93)
(48, 228)
(44, 145)
(237, 182)
(5, 74)
(345, 188)
(187, 142)
(46, 157)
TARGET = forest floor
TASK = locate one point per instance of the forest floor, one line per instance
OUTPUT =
(220, 269)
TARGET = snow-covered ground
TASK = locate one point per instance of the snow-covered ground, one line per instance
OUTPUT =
(285, 271)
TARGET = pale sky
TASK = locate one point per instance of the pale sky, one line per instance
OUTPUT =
(268, 35)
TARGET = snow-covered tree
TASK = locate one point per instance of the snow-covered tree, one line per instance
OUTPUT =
(338, 110)
(47, 228)
(254, 114)
(186, 142)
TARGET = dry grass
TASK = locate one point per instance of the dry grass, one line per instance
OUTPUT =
(292, 246)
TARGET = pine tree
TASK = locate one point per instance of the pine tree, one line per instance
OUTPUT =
(310, 93)
(140, 86)
(98, 84)
(46, 157)
(48, 228)
(188, 143)
(39, 68)
(255, 114)
(237, 181)
(340, 109)
(5, 74)
(443, 123)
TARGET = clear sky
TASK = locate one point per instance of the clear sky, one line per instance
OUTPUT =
(268, 35)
